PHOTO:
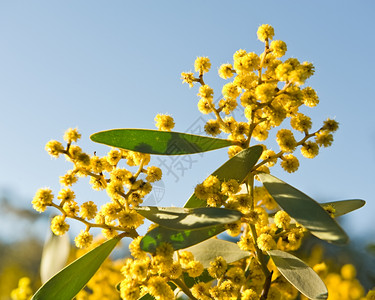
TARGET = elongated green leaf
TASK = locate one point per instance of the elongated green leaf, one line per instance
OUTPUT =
(207, 251)
(304, 210)
(70, 280)
(189, 218)
(179, 239)
(238, 167)
(158, 142)
(55, 255)
(301, 276)
(343, 207)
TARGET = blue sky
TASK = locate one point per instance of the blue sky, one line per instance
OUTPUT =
(99, 65)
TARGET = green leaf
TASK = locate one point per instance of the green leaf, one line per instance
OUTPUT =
(179, 239)
(238, 167)
(189, 218)
(158, 142)
(344, 206)
(207, 251)
(55, 255)
(301, 276)
(304, 210)
(70, 280)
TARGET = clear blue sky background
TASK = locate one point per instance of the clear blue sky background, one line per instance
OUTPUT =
(99, 65)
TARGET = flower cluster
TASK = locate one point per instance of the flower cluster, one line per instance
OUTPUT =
(23, 291)
(144, 274)
(281, 233)
(269, 90)
(126, 190)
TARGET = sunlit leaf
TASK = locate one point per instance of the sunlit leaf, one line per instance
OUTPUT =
(228, 250)
(238, 167)
(304, 210)
(189, 218)
(343, 207)
(55, 255)
(301, 276)
(179, 239)
(70, 280)
(158, 142)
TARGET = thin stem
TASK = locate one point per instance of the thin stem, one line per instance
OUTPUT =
(220, 280)
(135, 176)
(259, 253)
(140, 168)
(126, 208)
(184, 288)
(125, 196)
(266, 51)
(130, 233)
(200, 79)
(283, 90)
(266, 287)
(250, 190)
(215, 111)
(281, 153)
(251, 129)
(249, 264)
(218, 117)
